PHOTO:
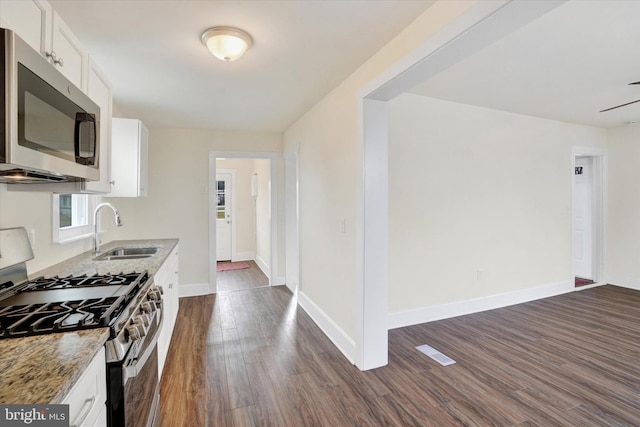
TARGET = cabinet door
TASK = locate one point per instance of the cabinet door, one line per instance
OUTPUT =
(129, 142)
(99, 90)
(167, 278)
(161, 279)
(87, 397)
(31, 21)
(71, 56)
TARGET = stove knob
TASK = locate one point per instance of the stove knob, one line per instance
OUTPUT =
(145, 307)
(155, 294)
(148, 307)
(141, 319)
(140, 327)
(136, 330)
(133, 332)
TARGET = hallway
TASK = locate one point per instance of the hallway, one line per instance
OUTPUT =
(242, 279)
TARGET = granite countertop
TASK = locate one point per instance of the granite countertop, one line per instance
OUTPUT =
(85, 263)
(42, 369)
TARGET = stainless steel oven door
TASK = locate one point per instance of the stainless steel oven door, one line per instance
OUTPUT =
(134, 392)
(142, 394)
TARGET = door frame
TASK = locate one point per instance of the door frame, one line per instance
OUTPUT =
(477, 27)
(275, 278)
(293, 253)
(232, 172)
(599, 160)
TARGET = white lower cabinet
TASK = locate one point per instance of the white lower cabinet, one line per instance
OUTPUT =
(87, 399)
(167, 277)
(101, 421)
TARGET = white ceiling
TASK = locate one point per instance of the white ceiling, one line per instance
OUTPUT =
(567, 65)
(162, 73)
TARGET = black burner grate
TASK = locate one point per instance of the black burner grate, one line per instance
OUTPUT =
(50, 317)
(48, 283)
(35, 319)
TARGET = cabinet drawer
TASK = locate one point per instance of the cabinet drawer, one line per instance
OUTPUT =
(87, 398)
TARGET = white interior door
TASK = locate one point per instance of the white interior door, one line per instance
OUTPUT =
(583, 218)
(223, 217)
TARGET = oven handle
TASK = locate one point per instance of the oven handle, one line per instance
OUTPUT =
(133, 370)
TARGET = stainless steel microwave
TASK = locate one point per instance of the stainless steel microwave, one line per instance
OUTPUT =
(50, 128)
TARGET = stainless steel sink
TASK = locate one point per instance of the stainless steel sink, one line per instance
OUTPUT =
(127, 253)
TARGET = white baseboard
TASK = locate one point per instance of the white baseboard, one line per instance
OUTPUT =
(243, 256)
(625, 282)
(291, 286)
(280, 280)
(341, 340)
(399, 319)
(193, 290)
(263, 266)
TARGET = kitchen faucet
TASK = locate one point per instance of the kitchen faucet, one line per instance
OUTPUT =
(96, 240)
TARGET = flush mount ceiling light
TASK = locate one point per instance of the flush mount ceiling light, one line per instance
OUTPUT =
(227, 43)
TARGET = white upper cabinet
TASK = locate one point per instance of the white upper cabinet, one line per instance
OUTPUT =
(31, 20)
(41, 27)
(99, 90)
(129, 158)
(67, 54)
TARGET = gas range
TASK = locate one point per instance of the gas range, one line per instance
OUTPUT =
(129, 304)
(60, 304)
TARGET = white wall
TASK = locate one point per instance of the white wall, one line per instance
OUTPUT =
(473, 189)
(262, 168)
(244, 215)
(623, 217)
(177, 202)
(329, 180)
(33, 210)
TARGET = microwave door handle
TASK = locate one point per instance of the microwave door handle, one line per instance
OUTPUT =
(80, 119)
(133, 370)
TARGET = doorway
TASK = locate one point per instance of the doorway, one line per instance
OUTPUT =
(242, 220)
(587, 216)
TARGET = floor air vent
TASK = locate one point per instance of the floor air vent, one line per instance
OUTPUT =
(436, 355)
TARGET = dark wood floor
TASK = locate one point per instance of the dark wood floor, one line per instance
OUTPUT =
(246, 278)
(253, 358)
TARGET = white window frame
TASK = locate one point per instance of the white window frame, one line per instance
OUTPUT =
(71, 234)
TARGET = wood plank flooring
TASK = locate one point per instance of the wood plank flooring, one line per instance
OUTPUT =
(253, 358)
(246, 278)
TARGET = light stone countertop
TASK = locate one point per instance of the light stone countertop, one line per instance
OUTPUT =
(42, 369)
(85, 263)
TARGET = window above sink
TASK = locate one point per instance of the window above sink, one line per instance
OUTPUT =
(71, 214)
